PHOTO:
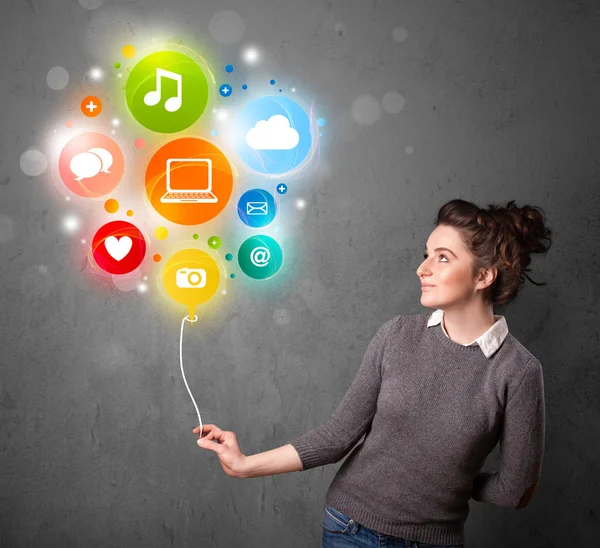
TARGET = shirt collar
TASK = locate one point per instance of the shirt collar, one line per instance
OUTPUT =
(489, 342)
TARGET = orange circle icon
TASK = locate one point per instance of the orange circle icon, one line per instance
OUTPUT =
(189, 181)
(91, 106)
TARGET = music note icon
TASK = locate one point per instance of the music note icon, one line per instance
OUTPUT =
(153, 97)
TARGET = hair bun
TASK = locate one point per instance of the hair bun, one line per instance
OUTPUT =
(501, 237)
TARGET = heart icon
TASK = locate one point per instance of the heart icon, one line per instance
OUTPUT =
(118, 248)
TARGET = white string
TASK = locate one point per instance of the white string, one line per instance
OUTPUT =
(181, 363)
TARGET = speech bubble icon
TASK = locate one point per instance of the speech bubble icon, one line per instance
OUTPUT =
(181, 273)
(105, 156)
(85, 165)
(95, 158)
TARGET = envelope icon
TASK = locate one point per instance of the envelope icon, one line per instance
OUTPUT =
(256, 208)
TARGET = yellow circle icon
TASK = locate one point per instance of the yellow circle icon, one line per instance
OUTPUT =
(191, 277)
(161, 233)
(128, 51)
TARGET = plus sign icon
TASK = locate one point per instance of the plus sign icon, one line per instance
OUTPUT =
(282, 188)
(225, 90)
(91, 106)
(214, 242)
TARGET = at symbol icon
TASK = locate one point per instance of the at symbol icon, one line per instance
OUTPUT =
(260, 256)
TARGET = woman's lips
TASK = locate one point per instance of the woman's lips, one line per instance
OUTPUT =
(427, 287)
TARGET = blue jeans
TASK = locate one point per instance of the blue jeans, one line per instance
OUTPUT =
(340, 531)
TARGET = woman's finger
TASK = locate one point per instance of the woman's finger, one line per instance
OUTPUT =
(205, 428)
(211, 445)
(215, 433)
(211, 432)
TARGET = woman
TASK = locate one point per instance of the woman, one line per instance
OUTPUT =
(434, 394)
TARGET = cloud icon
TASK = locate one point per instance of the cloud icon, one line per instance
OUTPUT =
(273, 134)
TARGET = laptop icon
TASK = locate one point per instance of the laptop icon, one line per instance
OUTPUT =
(189, 180)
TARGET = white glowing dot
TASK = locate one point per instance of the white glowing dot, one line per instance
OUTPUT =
(293, 89)
(115, 122)
(300, 203)
(119, 75)
(222, 115)
(224, 292)
(70, 224)
(68, 199)
(145, 277)
(250, 55)
(96, 73)
(214, 110)
(142, 288)
(82, 241)
(113, 132)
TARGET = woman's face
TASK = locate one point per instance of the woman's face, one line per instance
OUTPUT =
(448, 270)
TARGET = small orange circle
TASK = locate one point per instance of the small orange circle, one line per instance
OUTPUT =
(111, 205)
(130, 213)
(91, 106)
(157, 257)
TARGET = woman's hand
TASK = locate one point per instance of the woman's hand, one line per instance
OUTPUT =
(227, 449)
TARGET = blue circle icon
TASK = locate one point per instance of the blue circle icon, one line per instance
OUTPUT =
(257, 207)
(281, 188)
(225, 90)
(273, 135)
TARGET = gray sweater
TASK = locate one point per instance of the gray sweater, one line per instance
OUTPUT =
(432, 410)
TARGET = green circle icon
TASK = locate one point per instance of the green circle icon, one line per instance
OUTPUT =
(214, 242)
(166, 91)
(260, 257)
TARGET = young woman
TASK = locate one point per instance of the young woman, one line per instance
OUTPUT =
(433, 396)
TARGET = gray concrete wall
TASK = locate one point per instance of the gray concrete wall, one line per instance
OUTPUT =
(501, 103)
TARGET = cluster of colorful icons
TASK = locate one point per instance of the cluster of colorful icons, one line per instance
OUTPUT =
(189, 180)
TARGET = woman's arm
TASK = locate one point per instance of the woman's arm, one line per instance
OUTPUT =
(334, 439)
(276, 461)
(522, 442)
(325, 444)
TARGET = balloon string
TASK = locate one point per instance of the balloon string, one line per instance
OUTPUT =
(181, 363)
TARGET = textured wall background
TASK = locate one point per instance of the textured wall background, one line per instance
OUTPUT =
(501, 102)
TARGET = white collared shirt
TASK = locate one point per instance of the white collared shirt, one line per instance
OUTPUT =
(489, 342)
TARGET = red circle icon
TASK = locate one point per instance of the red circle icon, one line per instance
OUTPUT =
(118, 247)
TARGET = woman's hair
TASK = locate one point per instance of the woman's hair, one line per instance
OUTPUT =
(499, 237)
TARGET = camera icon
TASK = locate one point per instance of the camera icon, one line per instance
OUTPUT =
(190, 278)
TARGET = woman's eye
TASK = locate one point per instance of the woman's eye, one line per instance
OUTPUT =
(425, 256)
